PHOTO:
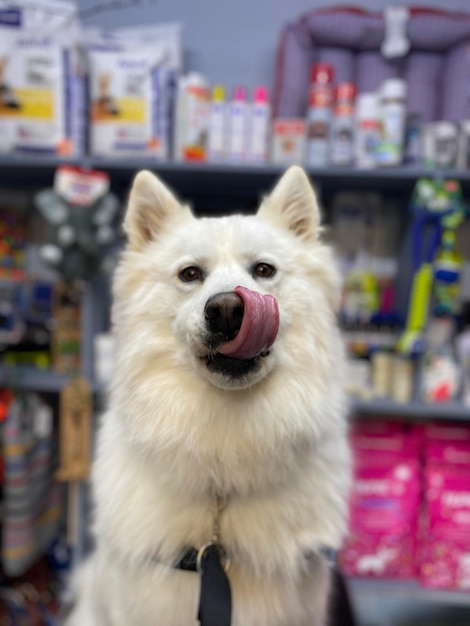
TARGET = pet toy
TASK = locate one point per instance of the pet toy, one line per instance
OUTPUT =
(80, 214)
(438, 207)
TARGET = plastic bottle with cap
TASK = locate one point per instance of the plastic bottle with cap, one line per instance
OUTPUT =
(367, 129)
(260, 118)
(393, 122)
(238, 122)
(342, 135)
(191, 118)
(319, 115)
(218, 125)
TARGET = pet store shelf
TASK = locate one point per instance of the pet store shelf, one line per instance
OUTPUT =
(194, 180)
(406, 590)
(29, 171)
(415, 409)
(34, 379)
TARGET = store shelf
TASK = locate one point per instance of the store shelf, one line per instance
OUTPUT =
(209, 180)
(28, 171)
(33, 379)
(407, 591)
(416, 410)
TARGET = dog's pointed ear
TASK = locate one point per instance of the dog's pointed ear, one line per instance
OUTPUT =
(293, 205)
(150, 204)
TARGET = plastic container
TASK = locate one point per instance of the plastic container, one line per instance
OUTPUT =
(260, 121)
(218, 125)
(238, 126)
(192, 119)
(393, 122)
(319, 115)
(367, 129)
(342, 136)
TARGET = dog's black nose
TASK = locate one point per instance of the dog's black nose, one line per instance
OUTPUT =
(224, 314)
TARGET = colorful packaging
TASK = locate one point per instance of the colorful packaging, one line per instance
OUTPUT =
(367, 129)
(383, 521)
(238, 126)
(259, 125)
(218, 126)
(342, 142)
(385, 502)
(41, 79)
(167, 36)
(319, 115)
(288, 142)
(125, 97)
(393, 120)
(192, 118)
(445, 550)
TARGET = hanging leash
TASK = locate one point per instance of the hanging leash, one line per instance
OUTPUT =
(215, 600)
(213, 563)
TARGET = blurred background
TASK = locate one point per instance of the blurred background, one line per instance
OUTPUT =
(218, 98)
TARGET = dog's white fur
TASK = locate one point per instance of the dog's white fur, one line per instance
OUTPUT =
(274, 442)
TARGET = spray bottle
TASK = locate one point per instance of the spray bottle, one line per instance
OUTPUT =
(218, 125)
(238, 122)
(260, 118)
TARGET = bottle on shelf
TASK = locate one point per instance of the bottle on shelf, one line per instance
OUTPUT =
(191, 118)
(342, 135)
(218, 125)
(367, 130)
(238, 122)
(259, 127)
(319, 115)
(392, 122)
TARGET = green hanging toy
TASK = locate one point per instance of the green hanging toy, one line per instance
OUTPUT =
(438, 205)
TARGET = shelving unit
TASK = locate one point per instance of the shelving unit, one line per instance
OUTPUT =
(32, 378)
(222, 189)
(42, 380)
(415, 410)
(408, 590)
(206, 180)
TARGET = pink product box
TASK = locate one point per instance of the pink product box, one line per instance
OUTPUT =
(445, 549)
(383, 521)
(386, 445)
(443, 432)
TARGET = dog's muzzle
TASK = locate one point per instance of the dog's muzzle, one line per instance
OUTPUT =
(242, 323)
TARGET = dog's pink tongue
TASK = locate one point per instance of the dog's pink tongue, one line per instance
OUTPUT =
(259, 327)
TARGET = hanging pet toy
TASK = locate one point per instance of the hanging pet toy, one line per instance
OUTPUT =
(438, 209)
(80, 214)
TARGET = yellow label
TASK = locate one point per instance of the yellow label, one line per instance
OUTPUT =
(32, 103)
(130, 110)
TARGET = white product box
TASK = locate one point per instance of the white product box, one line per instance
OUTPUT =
(289, 141)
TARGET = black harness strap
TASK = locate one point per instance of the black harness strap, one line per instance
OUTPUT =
(215, 603)
(215, 600)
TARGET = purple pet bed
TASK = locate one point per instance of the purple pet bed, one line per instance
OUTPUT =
(437, 69)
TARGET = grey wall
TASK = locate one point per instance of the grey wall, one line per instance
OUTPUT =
(234, 41)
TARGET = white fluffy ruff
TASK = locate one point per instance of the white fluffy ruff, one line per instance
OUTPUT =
(274, 444)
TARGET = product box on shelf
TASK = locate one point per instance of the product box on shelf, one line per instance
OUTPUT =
(126, 99)
(445, 539)
(192, 118)
(288, 141)
(42, 79)
(385, 502)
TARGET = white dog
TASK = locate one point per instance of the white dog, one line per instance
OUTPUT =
(222, 393)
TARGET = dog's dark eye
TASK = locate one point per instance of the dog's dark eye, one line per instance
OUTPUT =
(190, 274)
(264, 270)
